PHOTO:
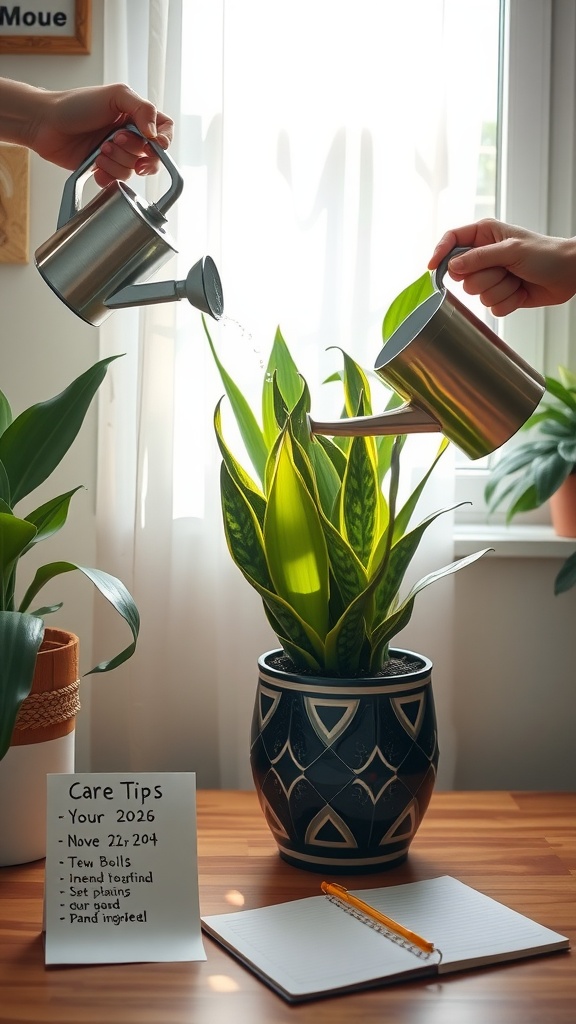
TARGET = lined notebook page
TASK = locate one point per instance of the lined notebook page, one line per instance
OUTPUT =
(469, 927)
(313, 946)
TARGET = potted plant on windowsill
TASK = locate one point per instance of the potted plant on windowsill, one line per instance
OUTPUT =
(344, 746)
(543, 468)
(37, 703)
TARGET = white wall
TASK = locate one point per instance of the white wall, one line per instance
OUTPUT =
(44, 347)
(514, 685)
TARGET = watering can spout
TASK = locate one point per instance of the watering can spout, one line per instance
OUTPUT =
(406, 419)
(202, 288)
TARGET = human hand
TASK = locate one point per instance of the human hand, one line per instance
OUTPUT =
(70, 125)
(510, 267)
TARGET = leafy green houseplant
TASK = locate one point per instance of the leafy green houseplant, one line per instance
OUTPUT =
(344, 741)
(314, 526)
(530, 473)
(31, 447)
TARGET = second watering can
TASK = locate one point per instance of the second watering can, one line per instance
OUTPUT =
(455, 375)
(102, 254)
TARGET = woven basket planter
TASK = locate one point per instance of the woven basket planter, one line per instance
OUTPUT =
(42, 743)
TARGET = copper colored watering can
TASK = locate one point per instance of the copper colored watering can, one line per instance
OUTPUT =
(455, 375)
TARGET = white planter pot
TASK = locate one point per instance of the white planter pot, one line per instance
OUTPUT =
(42, 743)
(23, 774)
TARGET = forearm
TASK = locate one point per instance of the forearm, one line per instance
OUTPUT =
(21, 107)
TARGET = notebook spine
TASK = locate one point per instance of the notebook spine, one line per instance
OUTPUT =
(382, 929)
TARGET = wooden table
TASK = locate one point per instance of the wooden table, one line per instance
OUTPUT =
(519, 848)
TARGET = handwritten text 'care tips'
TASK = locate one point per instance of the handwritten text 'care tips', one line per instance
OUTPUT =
(121, 869)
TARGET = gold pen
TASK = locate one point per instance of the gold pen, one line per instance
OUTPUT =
(333, 889)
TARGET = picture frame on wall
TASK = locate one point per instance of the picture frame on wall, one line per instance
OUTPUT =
(14, 203)
(46, 27)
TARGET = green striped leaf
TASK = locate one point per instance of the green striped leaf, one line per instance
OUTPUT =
(243, 532)
(250, 431)
(359, 502)
(289, 382)
(294, 543)
(254, 497)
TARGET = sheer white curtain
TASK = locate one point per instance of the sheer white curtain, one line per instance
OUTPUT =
(314, 138)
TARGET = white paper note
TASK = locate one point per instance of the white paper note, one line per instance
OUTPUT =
(121, 868)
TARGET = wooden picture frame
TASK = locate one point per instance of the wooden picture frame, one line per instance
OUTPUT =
(14, 203)
(19, 21)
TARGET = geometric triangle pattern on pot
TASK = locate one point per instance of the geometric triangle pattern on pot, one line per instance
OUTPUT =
(404, 827)
(274, 823)
(330, 718)
(409, 710)
(328, 829)
(268, 701)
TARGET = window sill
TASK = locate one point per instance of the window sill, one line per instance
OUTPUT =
(528, 541)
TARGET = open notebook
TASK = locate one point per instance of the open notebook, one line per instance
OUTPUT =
(316, 947)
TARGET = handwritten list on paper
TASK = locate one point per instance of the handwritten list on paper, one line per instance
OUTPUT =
(121, 869)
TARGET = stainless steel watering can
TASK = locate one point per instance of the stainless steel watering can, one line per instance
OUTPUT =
(101, 253)
(455, 375)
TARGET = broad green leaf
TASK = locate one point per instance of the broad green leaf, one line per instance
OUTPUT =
(405, 303)
(567, 378)
(20, 640)
(563, 394)
(566, 578)
(567, 449)
(548, 474)
(37, 440)
(5, 413)
(250, 432)
(563, 421)
(111, 588)
(525, 502)
(5, 487)
(294, 543)
(51, 517)
(15, 536)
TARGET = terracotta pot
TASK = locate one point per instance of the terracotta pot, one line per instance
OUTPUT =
(344, 768)
(563, 508)
(42, 743)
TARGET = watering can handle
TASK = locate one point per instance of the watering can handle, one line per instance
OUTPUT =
(72, 194)
(441, 269)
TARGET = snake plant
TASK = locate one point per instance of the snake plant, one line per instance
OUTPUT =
(31, 447)
(314, 523)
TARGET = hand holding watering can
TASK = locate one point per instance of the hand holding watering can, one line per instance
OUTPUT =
(101, 255)
(455, 375)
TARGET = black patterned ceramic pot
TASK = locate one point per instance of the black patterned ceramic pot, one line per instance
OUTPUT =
(344, 768)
